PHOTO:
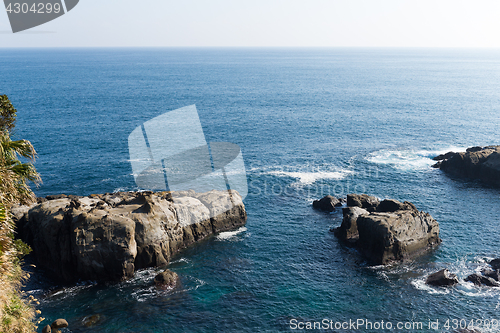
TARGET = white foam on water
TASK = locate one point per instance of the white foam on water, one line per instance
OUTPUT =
(421, 285)
(409, 159)
(230, 235)
(307, 178)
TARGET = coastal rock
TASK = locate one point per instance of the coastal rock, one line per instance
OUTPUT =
(166, 279)
(494, 274)
(442, 278)
(348, 230)
(47, 329)
(328, 203)
(480, 280)
(362, 200)
(391, 205)
(387, 237)
(58, 324)
(397, 232)
(481, 163)
(107, 237)
(495, 263)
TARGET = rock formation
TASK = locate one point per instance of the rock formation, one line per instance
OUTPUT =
(328, 203)
(480, 280)
(107, 237)
(481, 163)
(442, 278)
(166, 279)
(387, 231)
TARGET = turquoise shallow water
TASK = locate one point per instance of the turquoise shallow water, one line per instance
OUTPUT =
(310, 122)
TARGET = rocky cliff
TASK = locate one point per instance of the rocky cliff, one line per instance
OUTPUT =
(481, 163)
(107, 237)
(387, 231)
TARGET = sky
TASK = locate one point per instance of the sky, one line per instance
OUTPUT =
(266, 23)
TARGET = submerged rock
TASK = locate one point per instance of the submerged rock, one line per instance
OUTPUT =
(92, 320)
(397, 232)
(481, 163)
(442, 278)
(328, 203)
(107, 237)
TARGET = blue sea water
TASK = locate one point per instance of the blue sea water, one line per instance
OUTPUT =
(310, 122)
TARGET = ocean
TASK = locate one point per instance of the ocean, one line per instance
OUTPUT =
(310, 122)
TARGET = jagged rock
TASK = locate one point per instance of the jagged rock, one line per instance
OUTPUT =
(494, 274)
(383, 237)
(328, 203)
(387, 237)
(480, 280)
(391, 205)
(444, 156)
(47, 329)
(106, 237)
(476, 163)
(442, 278)
(166, 279)
(362, 200)
(495, 263)
(58, 324)
(348, 230)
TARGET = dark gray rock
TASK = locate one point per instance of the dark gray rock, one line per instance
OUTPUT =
(495, 263)
(362, 200)
(444, 156)
(481, 163)
(166, 279)
(391, 205)
(401, 235)
(328, 203)
(107, 237)
(348, 230)
(480, 280)
(399, 232)
(494, 274)
(442, 278)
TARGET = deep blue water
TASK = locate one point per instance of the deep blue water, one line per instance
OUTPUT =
(310, 122)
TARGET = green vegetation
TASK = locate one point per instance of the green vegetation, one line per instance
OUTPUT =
(16, 313)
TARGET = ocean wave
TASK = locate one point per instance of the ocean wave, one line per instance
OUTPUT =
(230, 235)
(307, 178)
(409, 159)
(462, 268)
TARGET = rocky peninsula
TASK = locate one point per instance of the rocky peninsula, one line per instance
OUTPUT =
(386, 231)
(482, 163)
(106, 237)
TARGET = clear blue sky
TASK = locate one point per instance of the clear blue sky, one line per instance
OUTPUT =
(234, 23)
